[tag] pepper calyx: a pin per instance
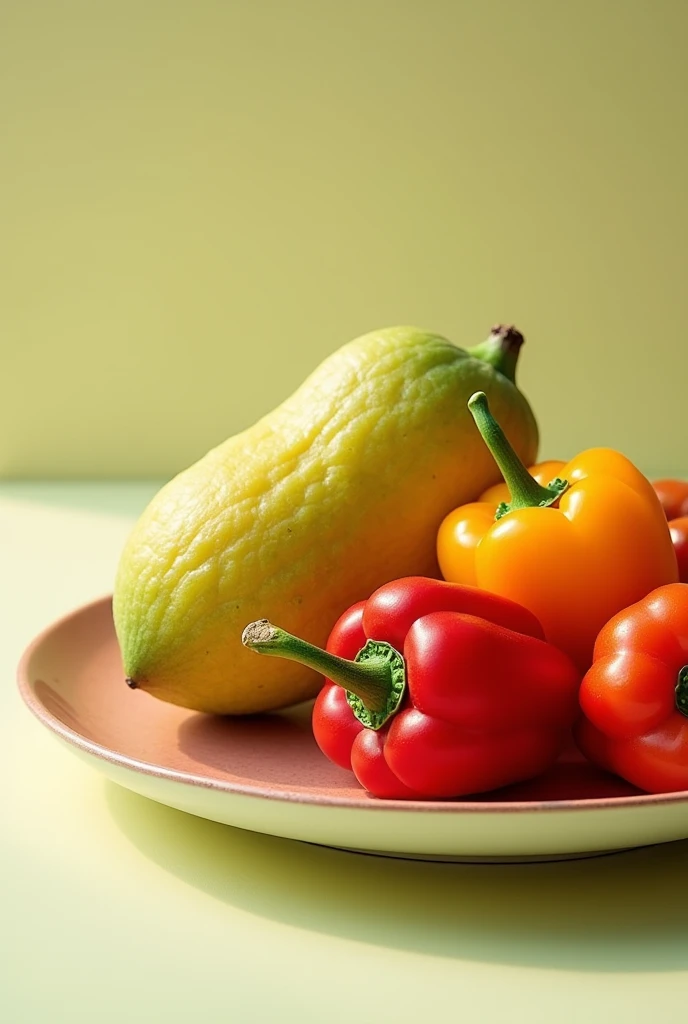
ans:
(681, 691)
(375, 650)
(555, 487)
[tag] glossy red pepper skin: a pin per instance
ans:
(678, 528)
(673, 497)
(334, 726)
(632, 720)
(488, 701)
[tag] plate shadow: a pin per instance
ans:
(620, 913)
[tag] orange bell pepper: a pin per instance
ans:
(574, 552)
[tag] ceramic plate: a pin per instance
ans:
(266, 774)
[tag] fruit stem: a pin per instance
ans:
(375, 681)
(525, 491)
(500, 350)
(681, 691)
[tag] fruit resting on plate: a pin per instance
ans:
(634, 698)
(574, 552)
(337, 491)
(435, 690)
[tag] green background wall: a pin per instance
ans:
(201, 200)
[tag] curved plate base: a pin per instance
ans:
(265, 773)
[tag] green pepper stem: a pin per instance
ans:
(375, 681)
(681, 691)
(524, 490)
(500, 350)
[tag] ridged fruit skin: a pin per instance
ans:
(338, 490)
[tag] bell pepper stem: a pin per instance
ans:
(525, 491)
(681, 691)
(375, 681)
(500, 350)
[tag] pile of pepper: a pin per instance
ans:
(560, 614)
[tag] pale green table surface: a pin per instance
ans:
(118, 909)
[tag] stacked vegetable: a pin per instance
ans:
(673, 494)
(477, 699)
(560, 613)
(562, 610)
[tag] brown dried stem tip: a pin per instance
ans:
(501, 350)
(511, 338)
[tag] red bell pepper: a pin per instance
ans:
(435, 690)
(678, 528)
(634, 697)
(673, 497)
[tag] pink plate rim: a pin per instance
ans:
(364, 804)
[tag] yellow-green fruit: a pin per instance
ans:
(338, 490)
